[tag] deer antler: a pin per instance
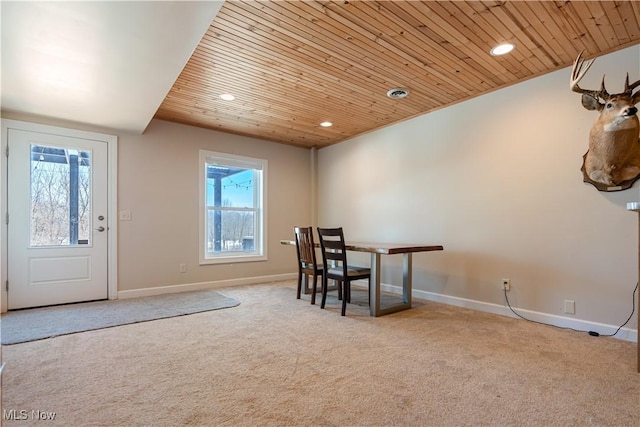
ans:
(580, 68)
(628, 89)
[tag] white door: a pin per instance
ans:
(57, 231)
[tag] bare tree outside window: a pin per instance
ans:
(232, 189)
(51, 202)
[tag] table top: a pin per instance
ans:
(381, 248)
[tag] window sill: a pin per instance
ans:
(233, 259)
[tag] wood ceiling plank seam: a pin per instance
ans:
(536, 23)
(245, 86)
(488, 27)
(304, 102)
(474, 23)
(378, 37)
(267, 19)
(631, 13)
(440, 79)
(227, 117)
(348, 67)
(296, 138)
(581, 35)
(383, 17)
(354, 64)
(283, 75)
(356, 81)
(477, 51)
(304, 93)
(313, 73)
(503, 22)
(386, 47)
(247, 27)
(208, 58)
(253, 133)
(467, 69)
(284, 110)
(564, 33)
(588, 21)
(278, 110)
(473, 30)
(405, 40)
(475, 58)
(240, 123)
(374, 62)
(268, 107)
(612, 10)
(603, 23)
(308, 98)
(397, 77)
(234, 121)
(510, 21)
(350, 100)
(427, 10)
(265, 108)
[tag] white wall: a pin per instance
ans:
(497, 181)
(158, 183)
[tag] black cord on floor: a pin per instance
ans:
(592, 333)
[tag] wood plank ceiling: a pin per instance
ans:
(294, 64)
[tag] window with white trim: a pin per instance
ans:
(233, 206)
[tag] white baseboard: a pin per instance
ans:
(146, 292)
(626, 334)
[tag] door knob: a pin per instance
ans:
(100, 229)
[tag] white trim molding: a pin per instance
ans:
(146, 292)
(626, 334)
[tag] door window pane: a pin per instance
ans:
(60, 196)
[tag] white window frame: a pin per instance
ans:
(259, 252)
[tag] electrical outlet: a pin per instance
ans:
(183, 268)
(506, 284)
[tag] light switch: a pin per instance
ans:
(125, 216)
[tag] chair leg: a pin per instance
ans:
(324, 291)
(299, 283)
(313, 291)
(345, 297)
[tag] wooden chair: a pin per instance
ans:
(307, 264)
(333, 251)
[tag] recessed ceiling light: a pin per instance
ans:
(326, 124)
(502, 49)
(227, 97)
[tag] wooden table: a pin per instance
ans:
(376, 250)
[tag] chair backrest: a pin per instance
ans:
(306, 247)
(333, 248)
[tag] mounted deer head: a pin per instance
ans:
(613, 158)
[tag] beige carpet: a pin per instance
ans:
(278, 361)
